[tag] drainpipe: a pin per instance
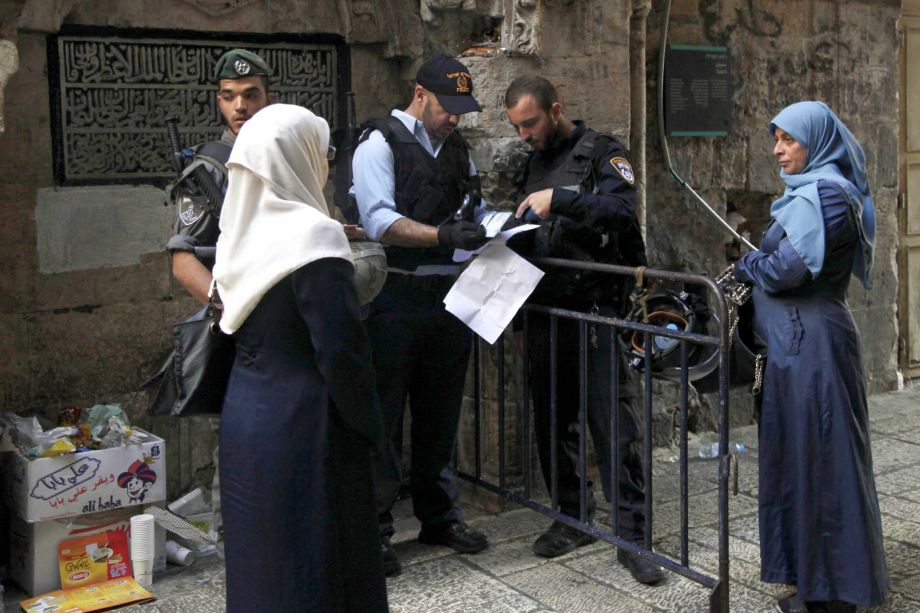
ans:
(637, 103)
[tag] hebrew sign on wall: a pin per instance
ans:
(111, 96)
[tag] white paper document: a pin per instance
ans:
(492, 289)
(493, 223)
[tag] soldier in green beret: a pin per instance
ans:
(242, 90)
(242, 81)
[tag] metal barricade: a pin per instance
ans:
(523, 495)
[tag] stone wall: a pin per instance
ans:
(89, 325)
(841, 52)
(86, 294)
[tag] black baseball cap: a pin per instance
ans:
(450, 81)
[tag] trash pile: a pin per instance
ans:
(76, 492)
(102, 426)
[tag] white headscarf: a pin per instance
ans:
(274, 217)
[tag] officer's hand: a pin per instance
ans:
(538, 202)
(461, 235)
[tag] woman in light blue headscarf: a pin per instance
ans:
(820, 526)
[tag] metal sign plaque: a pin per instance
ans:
(111, 96)
(698, 91)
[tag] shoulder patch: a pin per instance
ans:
(622, 166)
(190, 213)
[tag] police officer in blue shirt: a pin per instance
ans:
(412, 171)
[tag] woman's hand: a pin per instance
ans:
(354, 233)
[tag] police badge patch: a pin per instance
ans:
(191, 214)
(622, 166)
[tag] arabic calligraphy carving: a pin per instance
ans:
(115, 95)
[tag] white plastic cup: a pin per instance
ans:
(189, 503)
(143, 571)
(177, 554)
(142, 537)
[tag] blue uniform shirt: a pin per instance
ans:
(373, 182)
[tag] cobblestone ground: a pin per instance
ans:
(508, 577)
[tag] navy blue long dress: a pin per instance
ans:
(820, 527)
(300, 527)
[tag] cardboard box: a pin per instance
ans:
(34, 545)
(88, 482)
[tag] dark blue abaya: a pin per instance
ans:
(299, 414)
(820, 526)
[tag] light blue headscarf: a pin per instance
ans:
(833, 155)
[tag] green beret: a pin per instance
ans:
(239, 63)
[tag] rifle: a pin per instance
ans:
(343, 175)
(192, 180)
(172, 133)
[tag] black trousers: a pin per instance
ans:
(599, 398)
(421, 353)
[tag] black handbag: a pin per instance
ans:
(747, 352)
(194, 377)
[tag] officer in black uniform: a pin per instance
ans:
(579, 186)
(242, 78)
(412, 171)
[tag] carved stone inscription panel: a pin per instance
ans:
(113, 95)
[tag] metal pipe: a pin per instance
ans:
(662, 133)
(614, 432)
(526, 452)
(582, 421)
(500, 347)
(477, 404)
(638, 104)
(553, 435)
(684, 488)
(647, 439)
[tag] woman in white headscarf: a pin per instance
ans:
(300, 413)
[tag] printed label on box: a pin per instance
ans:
(90, 559)
(89, 482)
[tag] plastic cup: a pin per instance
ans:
(142, 537)
(189, 504)
(143, 571)
(177, 554)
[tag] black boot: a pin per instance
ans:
(457, 535)
(560, 539)
(391, 564)
(642, 570)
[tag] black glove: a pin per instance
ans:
(461, 235)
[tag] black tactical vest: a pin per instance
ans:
(564, 238)
(427, 189)
(570, 171)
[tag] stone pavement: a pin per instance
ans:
(508, 577)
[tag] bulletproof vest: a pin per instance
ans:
(427, 189)
(570, 171)
(564, 238)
